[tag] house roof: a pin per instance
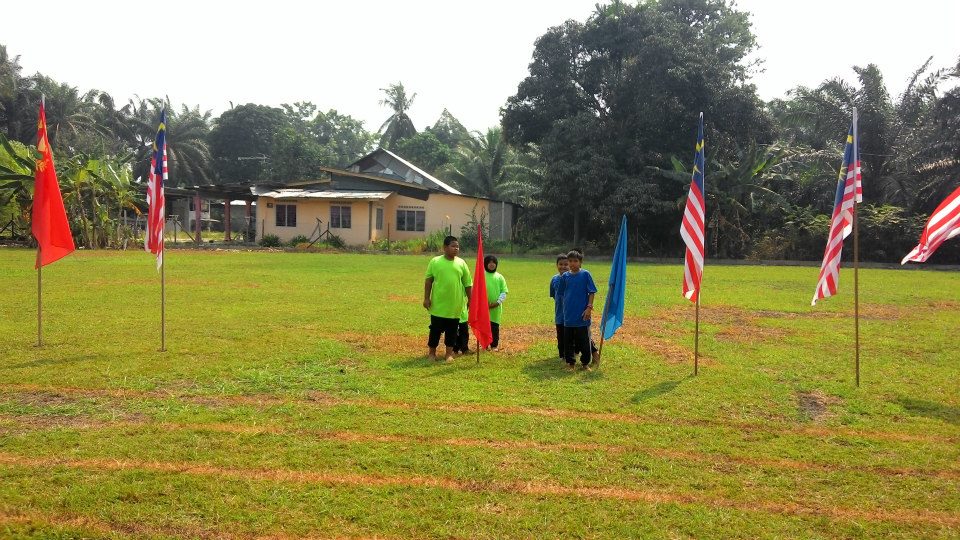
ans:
(408, 177)
(282, 194)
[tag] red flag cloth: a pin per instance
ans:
(479, 318)
(49, 219)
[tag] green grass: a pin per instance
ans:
(294, 400)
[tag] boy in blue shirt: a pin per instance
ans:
(577, 290)
(562, 267)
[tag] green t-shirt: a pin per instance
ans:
(496, 285)
(449, 280)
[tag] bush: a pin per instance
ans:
(335, 241)
(270, 240)
(299, 239)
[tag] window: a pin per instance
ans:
(411, 220)
(286, 215)
(340, 217)
(379, 219)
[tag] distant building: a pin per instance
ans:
(379, 194)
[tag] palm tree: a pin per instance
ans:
(188, 153)
(485, 165)
(398, 126)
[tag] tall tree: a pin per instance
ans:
(606, 101)
(241, 142)
(398, 126)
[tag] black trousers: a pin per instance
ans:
(447, 327)
(495, 329)
(560, 343)
(577, 340)
(463, 338)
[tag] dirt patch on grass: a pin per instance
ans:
(534, 488)
(814, 406)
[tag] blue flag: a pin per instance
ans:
(616, 291)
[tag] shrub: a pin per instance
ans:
(270, 240)
(299, 239)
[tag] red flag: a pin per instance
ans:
(479, 307)
(49, 219)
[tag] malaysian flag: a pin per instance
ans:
(155, 200)
(943, 225)
(849, 187)
(692, 229)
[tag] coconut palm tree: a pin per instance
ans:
(485, 165)
(399, 126)
(188, 153)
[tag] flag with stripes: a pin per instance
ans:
(155, 199)
(849, 192)
(943, 225)
(692, 229)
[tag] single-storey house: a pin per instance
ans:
(381, 195)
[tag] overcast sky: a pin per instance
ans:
(467, 57)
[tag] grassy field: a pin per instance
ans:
(294, 401)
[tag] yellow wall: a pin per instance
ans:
(308, 210)
(441, 211)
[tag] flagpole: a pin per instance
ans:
(856, 247)
(696, 339)
(603, 323)
(39, 301)
(163, 307)
(478, 350)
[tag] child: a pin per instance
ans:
(445, 291)
(578, 290)
(562, 266)
(496, 294)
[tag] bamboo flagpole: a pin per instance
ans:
(696, 340)
(156, 216)
(856, 248)
(39, 301)
(48, 217)
(694, 233)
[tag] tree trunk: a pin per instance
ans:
(576, 227)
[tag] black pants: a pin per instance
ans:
(560, 343)
(447, 327)
(463, 338)
(577, 340)
(495, 330)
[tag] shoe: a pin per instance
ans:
(587, 368)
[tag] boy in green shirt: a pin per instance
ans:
(445, 290)
(496, 294)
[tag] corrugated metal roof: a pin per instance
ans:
(322, 194)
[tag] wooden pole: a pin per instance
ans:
(163, 307)
(856, 248)
(603, 322)
(478, 350)
(39, 301)
(696, 340)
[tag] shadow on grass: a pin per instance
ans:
(434, 368)
(930, 409)
(656, 390)
(553, 368)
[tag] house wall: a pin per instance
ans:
(441, 212)
(308, 210)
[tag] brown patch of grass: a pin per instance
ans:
(815, 405)
(320, 399)
(810, 508)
